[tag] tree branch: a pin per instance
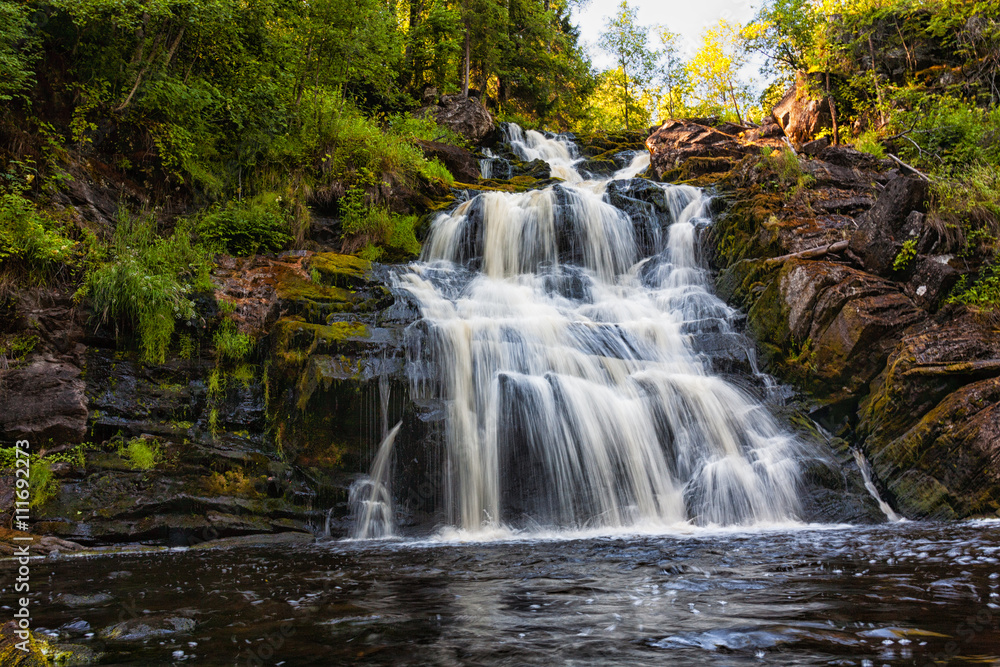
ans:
(910, 167)
(807, 254)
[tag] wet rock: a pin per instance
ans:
(460, 162)
(89, 600)
(931, 424)
(879, 233)
(11, 653)
(800, 116)
(465, 116)
(44, 402)
(285, 539)
(647, 207)
(148, 627)
(836, 323)
(676, 141)
(40, 545)
(931, 281)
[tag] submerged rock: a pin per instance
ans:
(148, 627)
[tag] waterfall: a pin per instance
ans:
(371, 497)
(562, 334)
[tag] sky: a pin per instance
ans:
(688, 18)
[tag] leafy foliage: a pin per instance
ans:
(144, 286)
(141, 454)
(247, 228)
(627, 43)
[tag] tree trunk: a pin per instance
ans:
(878, 88)
(465, 77)
(833, 111)
(628, 97)
(736, 106)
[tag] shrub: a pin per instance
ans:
(426, 128)
(231, 344)
(787, 169)
(29, 240)
(436, 171)
(143, 286)
(44, 485)
(13, 349)
(906, 255)
(366, 228)
(141, 454)
(247, 228)
(868, 142)
(232, 483)
(947, 134)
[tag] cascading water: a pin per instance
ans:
(371, 497)
(561, 335)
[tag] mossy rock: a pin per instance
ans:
(700, 171)
(338, 270)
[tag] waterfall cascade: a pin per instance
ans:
(562, 335)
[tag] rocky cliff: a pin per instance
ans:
(844, 281)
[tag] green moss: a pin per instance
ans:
(300, 290)
(339, 270)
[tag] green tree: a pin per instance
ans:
(17, 50)
(672, 78)
(627, 43)
(785, 33)
(715, 69)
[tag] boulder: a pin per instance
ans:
(816, 146)
(463, 115)
(677, 141)
(462, 164)
(932, 279)
(880, 230)
(800, 116)
(12, 653)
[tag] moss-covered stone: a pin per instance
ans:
(340, 270)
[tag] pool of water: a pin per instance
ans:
(898, 594)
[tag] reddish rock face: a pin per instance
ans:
(932, 422)
(679, 140)
(799, 115)
(849, 319)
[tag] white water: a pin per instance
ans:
(866, 475)
(574, 395)
(371, 497)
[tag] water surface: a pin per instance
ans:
(898, 594)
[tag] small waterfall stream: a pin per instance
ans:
(562, 336)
